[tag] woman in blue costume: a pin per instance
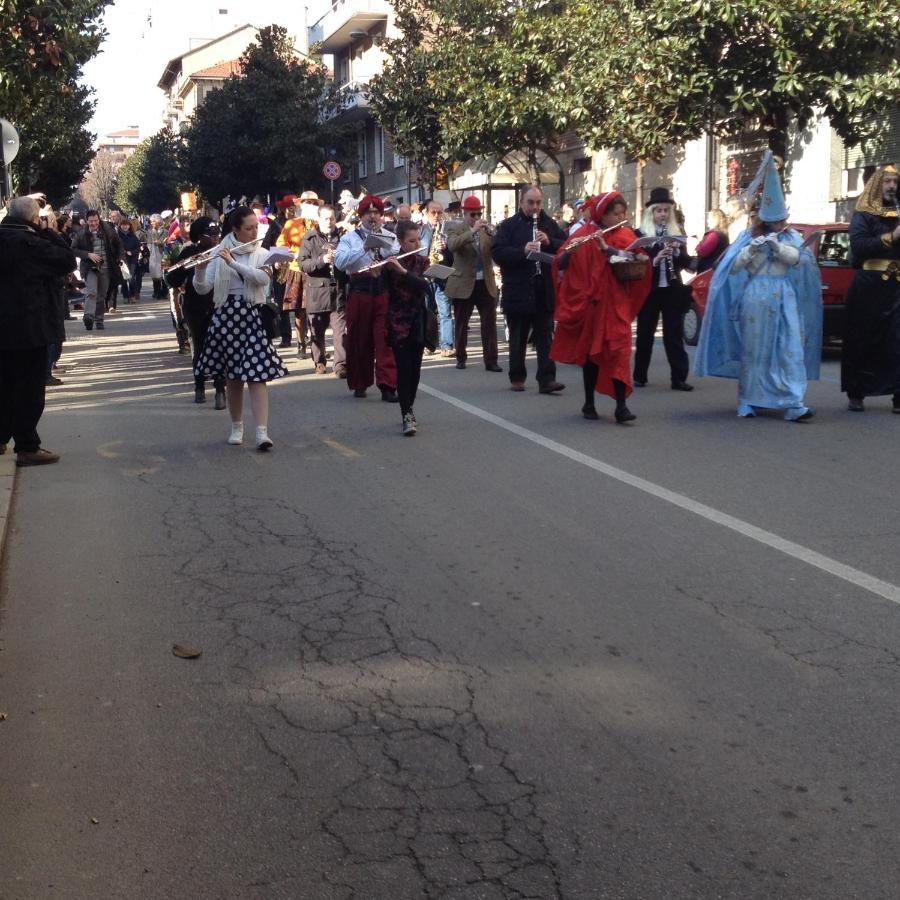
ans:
(763, 321)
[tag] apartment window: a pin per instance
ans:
(399, 160)
(379, 148)
(361, 154)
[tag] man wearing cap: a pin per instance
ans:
(366, 343)
(870, 353)
(528, 287)
(306, 213)
(667, 296)
(472, 284)
(198, 308)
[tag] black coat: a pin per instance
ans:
(194, 304)
(32, 262)
(321, 293)
(682, 261)
(519, 274)
(83, 244)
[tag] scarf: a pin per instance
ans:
(223, 270)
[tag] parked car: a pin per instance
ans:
(831, 249)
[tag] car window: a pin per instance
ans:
(834, 249)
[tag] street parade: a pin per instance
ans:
(621, 622)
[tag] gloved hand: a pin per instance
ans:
(759, 241)
(772, 238)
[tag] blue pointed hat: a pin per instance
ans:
(772, 207)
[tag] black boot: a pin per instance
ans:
(623, 413)
(200, 394)
(589, 373)
(220, 402)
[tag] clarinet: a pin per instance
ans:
(534, 237)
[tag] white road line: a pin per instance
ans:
(818, 560)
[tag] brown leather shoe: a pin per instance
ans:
(551, 387)
(320, 368)
(517, 386)
(39, 457)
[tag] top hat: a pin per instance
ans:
(454, 205)
(659, 195)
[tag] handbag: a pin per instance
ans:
(269, 315)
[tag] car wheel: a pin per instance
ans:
(691, 325)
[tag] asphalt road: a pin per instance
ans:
(521, 655)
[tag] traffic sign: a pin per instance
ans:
(331, 170)
(10, 138)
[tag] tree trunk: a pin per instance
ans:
(777, 127)
(639, 187)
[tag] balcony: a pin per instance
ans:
(334, 29)
(354, 102)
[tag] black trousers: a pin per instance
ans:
(318, 325)
(670, 302)
(198, 324)
(23, 376)
(520, 326)
(409, 368)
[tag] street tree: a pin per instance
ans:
(43, 46)
(56, 147)
(99, 186)
(475, 78)
(267, 129)
(663, 72)
(152, 177)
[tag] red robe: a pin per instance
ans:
(594, 310)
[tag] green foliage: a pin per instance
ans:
(470, 77)
(43, 46)
(266, 130)
(55, 146)
(152, 178)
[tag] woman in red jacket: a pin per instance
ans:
(595, 309)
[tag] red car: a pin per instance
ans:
(831, 249)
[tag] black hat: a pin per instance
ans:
(659, 195)
(454, 205)
(199, 227)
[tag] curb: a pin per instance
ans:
(7, 485)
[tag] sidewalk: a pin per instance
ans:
(7, 483)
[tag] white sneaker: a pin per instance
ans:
(409, 424)
(237, 433)
(263, 441)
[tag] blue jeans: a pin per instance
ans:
(445, 317)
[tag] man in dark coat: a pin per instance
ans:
(99, 248)
(325, 291)
(32, 261)
(527, 299)
(870, 354)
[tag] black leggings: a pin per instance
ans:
(590, 371)
(409, 367)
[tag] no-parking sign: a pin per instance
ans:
(331, 170)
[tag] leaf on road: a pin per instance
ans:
(185, 651)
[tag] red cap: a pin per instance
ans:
(472, 203)
(368, 201)
(286, 201)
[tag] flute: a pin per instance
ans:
(577, 242)
(382, 262)
(209, 255)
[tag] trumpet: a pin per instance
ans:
(209, 255)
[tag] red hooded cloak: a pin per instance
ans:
(594, 310)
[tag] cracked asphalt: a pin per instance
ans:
(454, 667)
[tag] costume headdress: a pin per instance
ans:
(772, 207)
(871, 200)
(369, 201)
(597, 206)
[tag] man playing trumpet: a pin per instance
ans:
(472, 284)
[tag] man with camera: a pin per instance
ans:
(100, 250)
(32, 262)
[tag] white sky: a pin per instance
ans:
(145, 34)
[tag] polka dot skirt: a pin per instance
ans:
(237, 346)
